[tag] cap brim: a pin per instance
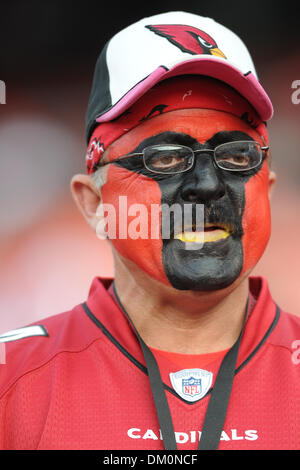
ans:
(245, 83)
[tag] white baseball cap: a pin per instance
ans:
(167, 45)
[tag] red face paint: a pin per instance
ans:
(145, 253)
(256, 218)
(200, 125)
(247, 197)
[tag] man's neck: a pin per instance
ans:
(186, 322)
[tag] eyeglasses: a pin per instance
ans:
(169, 159)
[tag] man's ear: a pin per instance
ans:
(87, 198)
(272, 181)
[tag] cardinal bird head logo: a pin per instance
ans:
(188, 39)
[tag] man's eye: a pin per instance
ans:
(234, 161)
(240, 160)
(167, 161)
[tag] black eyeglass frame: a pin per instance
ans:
(142, 154)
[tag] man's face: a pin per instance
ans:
(237, 201)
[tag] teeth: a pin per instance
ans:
(215, 235)
(202, 237)
(197, 237)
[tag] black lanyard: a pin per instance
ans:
(218, 403)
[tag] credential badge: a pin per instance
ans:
(191, 384)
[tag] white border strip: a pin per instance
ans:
(19, 333)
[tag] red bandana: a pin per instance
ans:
(173, 94)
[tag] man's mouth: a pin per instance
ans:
(211, 233)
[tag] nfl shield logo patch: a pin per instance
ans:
(191, 384)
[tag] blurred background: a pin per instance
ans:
(48, 255)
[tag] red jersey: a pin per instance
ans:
(83, 383)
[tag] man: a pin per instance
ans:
(182, 350)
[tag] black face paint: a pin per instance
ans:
(217, 264)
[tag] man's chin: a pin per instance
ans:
(214, 266)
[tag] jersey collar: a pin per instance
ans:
(112, 320)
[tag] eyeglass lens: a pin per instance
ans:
(235, 156)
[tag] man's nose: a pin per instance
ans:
(204, 182)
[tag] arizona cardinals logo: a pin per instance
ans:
(187, 38)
